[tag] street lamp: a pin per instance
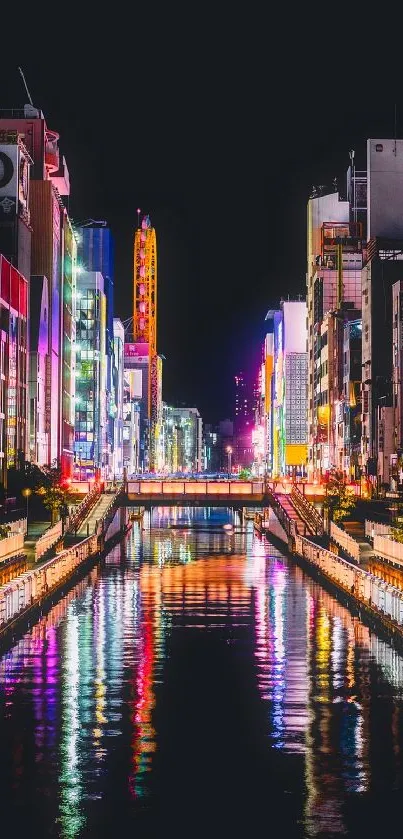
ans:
(229, 453)
(26, 493)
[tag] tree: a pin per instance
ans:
(5, 531)
(53, 491)
(338, 501)
(396, 530)
(245, 474)
(29, 475)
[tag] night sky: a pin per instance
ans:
(218, 132)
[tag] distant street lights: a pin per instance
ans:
(229, 453)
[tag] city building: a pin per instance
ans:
(136, 376)
(382, 271)
(116, 408)
(334, 262)
(15, 227)
(183, 440)
(13, 368)
(269, 360)
(96, 253)
(44, 229)
(38, 366)
(211, 452)
(259, 447)
(226, 442)
(349, 426)
(286, 452)
(90, 448)
(131, 424)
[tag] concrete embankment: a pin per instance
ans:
(376, 602)
(29, 595)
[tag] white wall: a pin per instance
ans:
(295, 326)
(385, 188)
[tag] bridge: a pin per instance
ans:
(218, 493)
(294, 512)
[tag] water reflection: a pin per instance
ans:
(83, 693)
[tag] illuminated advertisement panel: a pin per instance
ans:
(9, 179)
(137, 351)
(323, 424)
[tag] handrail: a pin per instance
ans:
(286, 522)
(307, 511)
(77, 518)
(104, 523)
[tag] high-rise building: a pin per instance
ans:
(243, 414)
(269, 360)
(382, 269)
(183, 439)
(96, 253)
(15, 228)
(15, 245)
(118, 389)
(131, 422)
(53, 255)
(13, 368)
(211, 456)
(349, 425)
(90, 449)
(136, 368)
(288, 400)
(334, 262)
(38, 361)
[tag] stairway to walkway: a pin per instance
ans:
(288, 507)
(97, 512)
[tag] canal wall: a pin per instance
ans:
(380, 603)
(24, 598)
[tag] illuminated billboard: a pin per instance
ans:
(138, 352)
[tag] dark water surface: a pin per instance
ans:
(198, 683)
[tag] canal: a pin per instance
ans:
(198, 683)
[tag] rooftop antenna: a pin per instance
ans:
(26, 87)
(138, 216)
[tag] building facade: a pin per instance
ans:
(334, 263)
(286, 358)
(183, 440)
(38, 366)
(44, 229)
(90, 448)
(96, 253)
(13, 368)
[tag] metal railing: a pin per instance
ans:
(288, 524)
(109, 512)
(80, 513)
(345, 541)
(307, 511)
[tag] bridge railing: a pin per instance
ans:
(169, 488)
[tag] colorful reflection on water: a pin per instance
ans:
(195, 653)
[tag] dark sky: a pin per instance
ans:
(217, 127)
